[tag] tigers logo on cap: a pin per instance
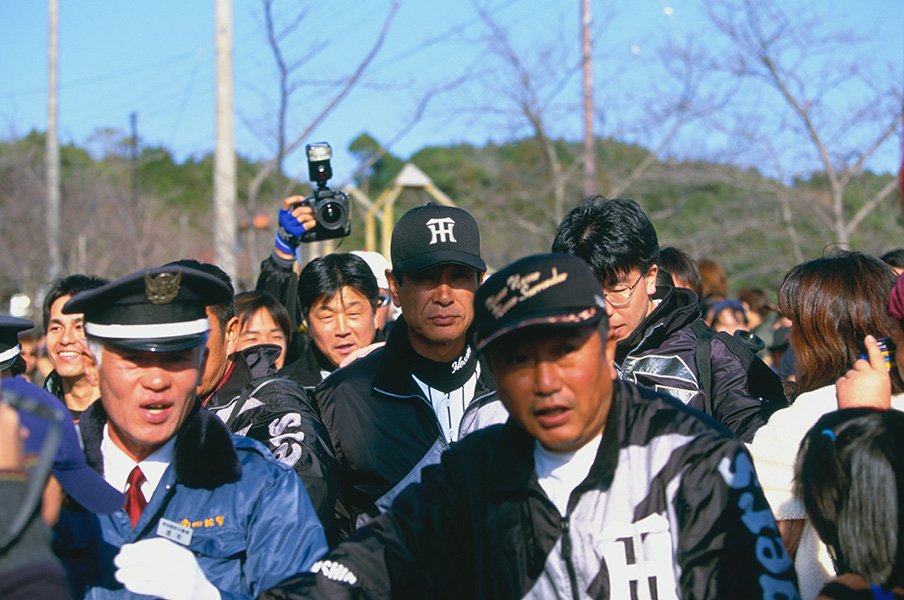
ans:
(431, 235)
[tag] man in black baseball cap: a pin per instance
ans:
(206, 513)
(397, 409)
(594, 487)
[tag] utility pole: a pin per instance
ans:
(133, 147)
(52, 150)
(587, 74)
(224, 158)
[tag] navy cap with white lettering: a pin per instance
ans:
(9, 339)
(544, 289)
(156, 310)
(432, 235)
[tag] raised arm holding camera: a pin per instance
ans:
(322, 216)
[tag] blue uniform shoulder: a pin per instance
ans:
(251, 451)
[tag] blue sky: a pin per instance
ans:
(156, 58)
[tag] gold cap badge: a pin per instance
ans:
(162, 288)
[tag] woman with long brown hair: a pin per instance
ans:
(833, 303)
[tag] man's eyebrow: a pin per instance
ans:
(79, 319)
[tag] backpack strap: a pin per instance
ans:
(703, 358)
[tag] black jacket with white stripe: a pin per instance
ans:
(671, 508)
(384, 429)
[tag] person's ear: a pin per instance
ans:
(393, 287)
(650, 282)
(231, 332)
(92, 375)
(611, 344)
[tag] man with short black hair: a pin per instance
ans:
(242, 388)
(658, 329)
(394, 411)
(338, 297)
(594, 488)
(66, 348)
(208, 514)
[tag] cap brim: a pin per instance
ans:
(588, 316)
(174, 344)
(440, 257)
(88, 488)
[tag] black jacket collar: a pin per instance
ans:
(678, 308)
(394, 376)
(306, 370)
(249, 364)
(204, 454)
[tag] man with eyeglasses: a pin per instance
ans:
(657, 329)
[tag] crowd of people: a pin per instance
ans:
(601, 421)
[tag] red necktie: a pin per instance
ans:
(135, 501)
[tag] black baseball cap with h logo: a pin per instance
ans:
(432, 235)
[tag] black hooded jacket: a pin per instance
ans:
(385, 430)
(661, 354)
(276, 412)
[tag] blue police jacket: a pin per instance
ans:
(245, 516)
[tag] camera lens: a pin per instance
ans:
(331, 215)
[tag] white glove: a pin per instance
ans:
(159, 567)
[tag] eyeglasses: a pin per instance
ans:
(619, 298)
(382, 300)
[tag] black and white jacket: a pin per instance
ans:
(277, 412)
(384, 429)
(661, 354)
(671, 508)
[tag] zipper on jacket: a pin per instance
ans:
(566, 554)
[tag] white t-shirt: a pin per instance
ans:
(560, 472)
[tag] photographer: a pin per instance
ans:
(279, 276)
(325, 215)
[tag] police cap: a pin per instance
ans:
(9, 339)
(155, 310)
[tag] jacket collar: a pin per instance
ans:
(512, 465)
(393, 376)
(307, 367)
(204, 454)
(247, 365)
(678, 307)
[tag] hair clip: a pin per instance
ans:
(829, 434)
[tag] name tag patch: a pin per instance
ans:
(174, 532)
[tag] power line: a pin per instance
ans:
(104, 77)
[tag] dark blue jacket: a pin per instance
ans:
(252, 522)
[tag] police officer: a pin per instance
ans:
(207, 514)
(11, 361)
